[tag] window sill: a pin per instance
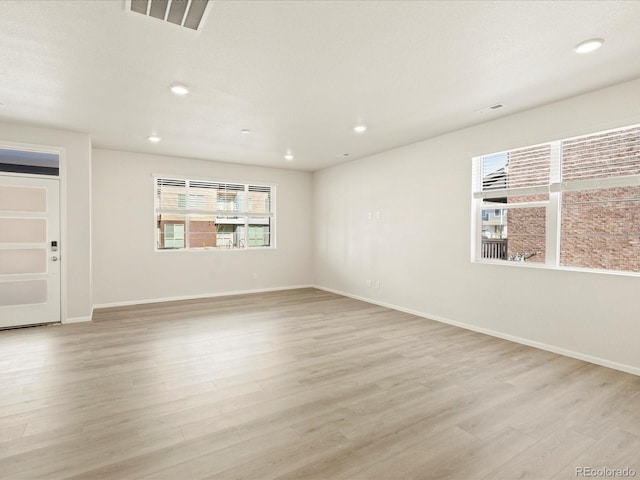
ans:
(200, 250)
(506, 263)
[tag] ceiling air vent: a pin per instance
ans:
(495, 106)
(186, 13)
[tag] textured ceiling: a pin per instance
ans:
(300, 74)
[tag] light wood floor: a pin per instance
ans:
(300, 385)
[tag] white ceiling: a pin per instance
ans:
(301, 74)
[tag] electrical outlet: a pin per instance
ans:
(369, 216)
(254, 276)
(368, 283)
(378, 215)
(376, 284)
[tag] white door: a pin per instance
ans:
(29, 250)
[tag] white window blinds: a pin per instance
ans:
(224, 198)
(602, 160)
(524, 171)
(170, 194)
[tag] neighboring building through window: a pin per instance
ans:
(569, 203)
(198, 215)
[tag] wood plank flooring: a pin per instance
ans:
(301, 384)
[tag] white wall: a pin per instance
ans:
(126, 269)
(76, 239)
(420, 250)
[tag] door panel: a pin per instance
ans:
(22, 199)
(23, 230)
(23, 292)
(32, 260)
(29, 250)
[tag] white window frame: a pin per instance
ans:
(553, 206)
(187, 212)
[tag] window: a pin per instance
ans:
(512, 200)
(197, 215)
(32, 162)
(173, 235)
(570, 203)
(258, 234)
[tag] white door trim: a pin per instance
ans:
(62, 176)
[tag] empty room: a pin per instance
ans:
(308, 239)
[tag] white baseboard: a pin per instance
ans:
(194, 297)
(505, 336)
(78, 319)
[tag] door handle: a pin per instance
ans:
(54, 259)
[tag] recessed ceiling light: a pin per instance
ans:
(245, 131)
(180, 89)
(589, 46)
(288, 157)
(154, 139)
(360, 128)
